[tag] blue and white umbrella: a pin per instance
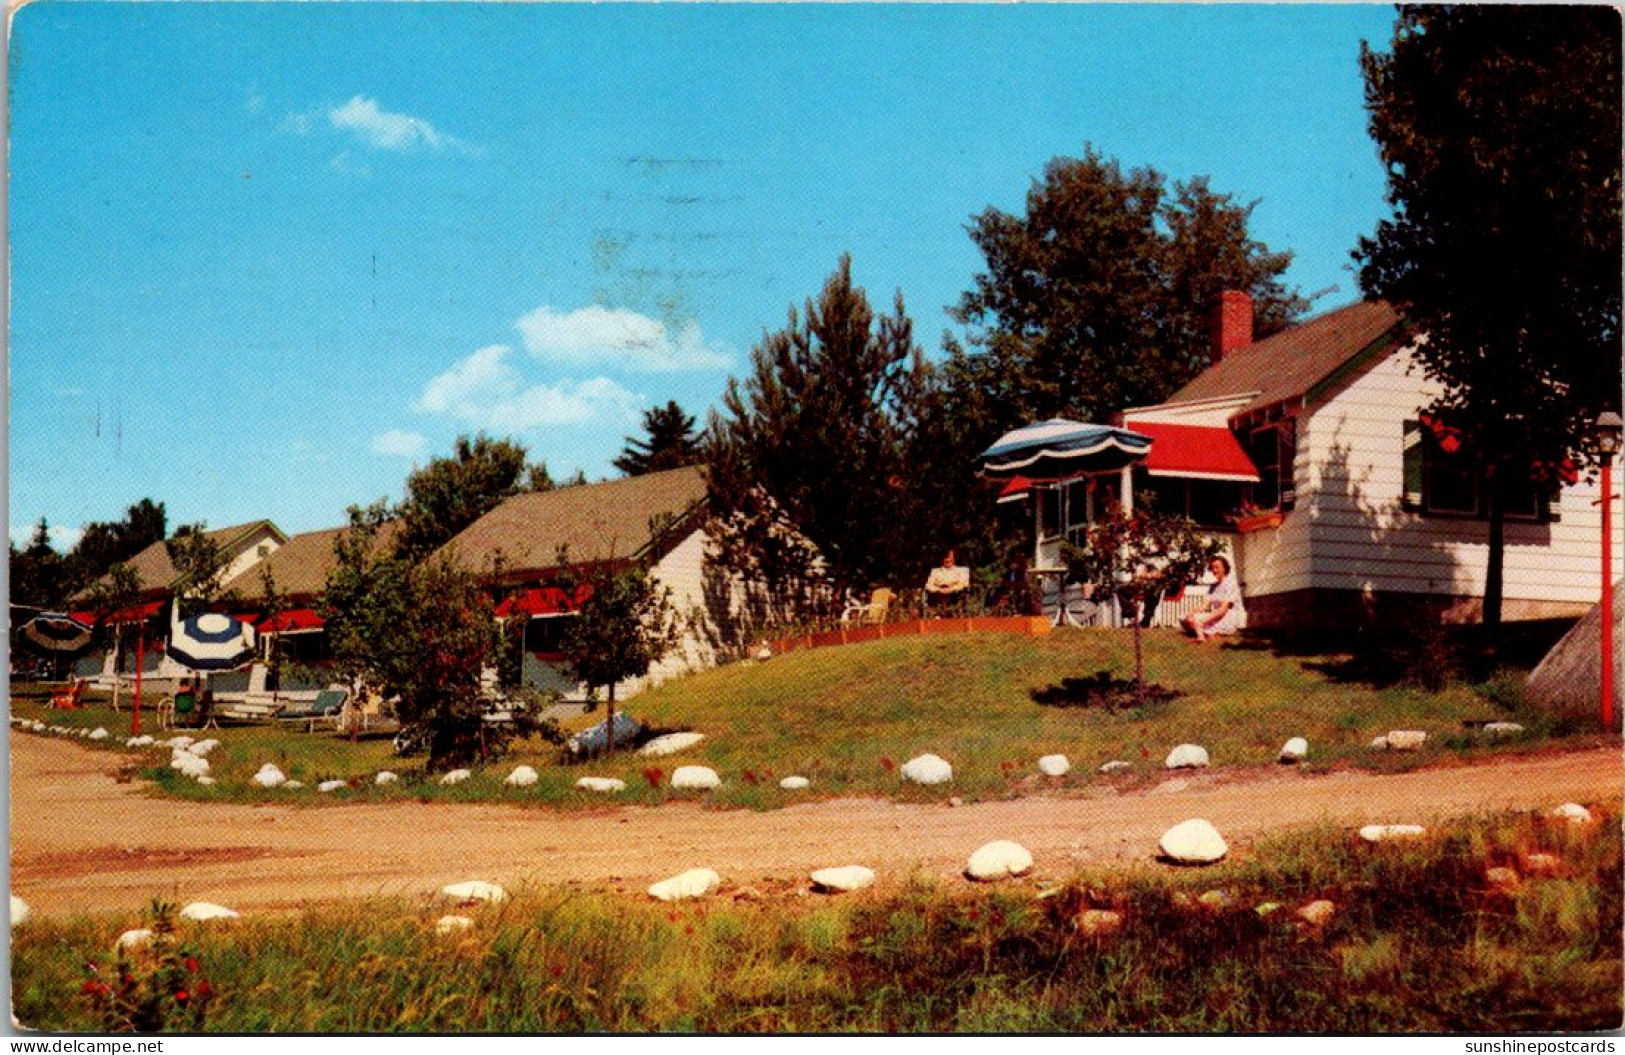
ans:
(1059, 449)
(211, 641)
(56, 632)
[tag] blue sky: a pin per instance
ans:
(265, 258)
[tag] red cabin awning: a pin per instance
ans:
(1199, 452)
(542, 600)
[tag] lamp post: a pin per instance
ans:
(1609, 427)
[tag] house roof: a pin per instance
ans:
(1292, 363)
(301, 566)
(155, 571)
(614, 520)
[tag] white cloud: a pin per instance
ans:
(383, 130)
(486, 390)
(400, 442)
(624, 338)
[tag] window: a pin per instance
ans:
(1273, 448)
(1443, 479)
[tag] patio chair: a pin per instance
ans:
(871, 613)
(72, 699)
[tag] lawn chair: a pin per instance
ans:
(871, 613)
(325, 707)
(71, 700)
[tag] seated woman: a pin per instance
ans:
(1223, 613)
(946, 584)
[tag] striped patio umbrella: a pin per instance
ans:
(211, 641)
(56, 632)
(1059, 449)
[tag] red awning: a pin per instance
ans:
(292, 621)
(1197, 452)
(542, 600)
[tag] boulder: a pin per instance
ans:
(794, 783)
(595, 741)
(521, 777)
(1294, 750)
(269, 776)
(98, 733)
(695, 778)
(19, 911)
(1193, 842)
(1376, 833)
(1317, 913)
(1186, 756)
(1116, 765)
(999, 860)
(1501, 730)
(696, 882)
(452, 924)
(846, 878)
(203, 911)
(456, 776)
(1572, 812)
(475, 890)
(331, 785)
(1054, 765)
(927, 769)
(670, 744)
(1098, 922)
(1406, 739)
(385, 777)
(131, 940)
(601, 784)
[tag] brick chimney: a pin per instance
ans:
(1232, 323)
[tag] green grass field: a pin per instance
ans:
(847, 717)
(1421, 939)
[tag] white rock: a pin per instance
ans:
(331, 785)
(1115, 766)
(19, 911)
(1376, 833)
(1294, 750)
(1572, 812)
(452, 924)
(670, 744)
(521, 777)
(1503, 729)
(475, 890)
(794, 783)
(269, 776)
(1406, 739)
(293, 785)
(98, 733)
(385, 777)
(1186, 756)
(601, 784)
(456, 776)
(203, 747)
(1193, 842)
(1380, 743)
(203, 910)
(701, 778)
(133, 939)
(179, 741)
(847, 878)
(696, 882)
(1054, 765)
(927, 769)
(999, 860)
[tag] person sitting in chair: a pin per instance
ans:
(1223, 612)
(946, 584)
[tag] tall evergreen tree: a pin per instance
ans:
(1499, 127)
(669, 442)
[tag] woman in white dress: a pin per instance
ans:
(1223, 613)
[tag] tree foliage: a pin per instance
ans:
(1099, 296)
(1499, 128)
(822, 424)
(669, 442)
(449, 494)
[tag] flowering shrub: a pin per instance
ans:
(162, 988)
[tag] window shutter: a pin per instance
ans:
(1411, 495)
(1287, 437)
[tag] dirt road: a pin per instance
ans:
(81, 842)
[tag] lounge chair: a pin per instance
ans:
(72, 699)
(325, 707)
(871, 613)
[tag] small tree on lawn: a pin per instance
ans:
(622, 628)
(1137, 556)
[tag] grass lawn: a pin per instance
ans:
(848, 717)
(1420, 937)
